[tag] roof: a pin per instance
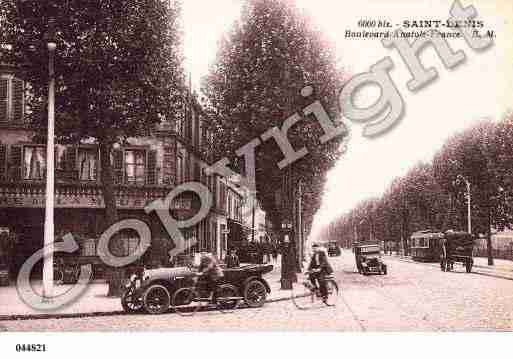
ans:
(427, 234)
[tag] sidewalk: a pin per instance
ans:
(94, 302)
(501, 266)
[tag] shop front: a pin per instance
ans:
(79, 211)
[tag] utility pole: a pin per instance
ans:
(300, 222)
(253, 219)
(49, 231)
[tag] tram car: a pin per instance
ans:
(426, 246)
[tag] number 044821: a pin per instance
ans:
(30, 347)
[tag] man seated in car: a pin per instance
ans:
(232, 260)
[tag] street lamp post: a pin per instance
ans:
(50, 184)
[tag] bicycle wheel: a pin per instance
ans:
(303, 295)
(227, 298)
(332, 288)
(185, 302)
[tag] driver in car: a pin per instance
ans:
(211, 272)
(318, 268)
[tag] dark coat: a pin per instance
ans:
(321, 262)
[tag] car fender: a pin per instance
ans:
(260, 279)
(146, 284)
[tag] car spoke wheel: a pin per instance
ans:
(156, 299)
(184, 302)
(227, 298)
(131, 304)
(255, 294)
(303, 295)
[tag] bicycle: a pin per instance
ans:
(187, 301)
(305, 295)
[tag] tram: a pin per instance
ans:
(426, 246)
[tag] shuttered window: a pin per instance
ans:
(135, 166)
(4, 100)
(3, 161)
(87, 164)
(34, 163)
(12, 94)
(118, 166)
(169, 165)
(179, 169)
(17, 101)
(15, 162)
(152, 168)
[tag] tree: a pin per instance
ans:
(118, 70)
(254, 85)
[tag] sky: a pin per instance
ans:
(480, 88)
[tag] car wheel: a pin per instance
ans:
(255, 294)
(156, 299)
(131, 304)
(384, 270)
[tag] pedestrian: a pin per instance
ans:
(275, 253)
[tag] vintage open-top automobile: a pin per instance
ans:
(368, 259)
(334, 249)
(152, 290)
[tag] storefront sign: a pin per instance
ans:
(85, 201)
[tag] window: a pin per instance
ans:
(12, 103)
(169, 165)
(34, 162)
(135, 166)
(87, 164)
(130, 245)
(179, 169)
(179, 126)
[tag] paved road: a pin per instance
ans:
(412, 297)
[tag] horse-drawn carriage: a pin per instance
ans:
(456, 247)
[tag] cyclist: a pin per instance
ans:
(318, 268)
(209, 270)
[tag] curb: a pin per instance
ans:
(15, 317)
(58, 316)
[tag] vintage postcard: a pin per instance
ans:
(255, 166)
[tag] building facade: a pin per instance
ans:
(145, 169)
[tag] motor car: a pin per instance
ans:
(334, 249)
(369, 259)
(158, 286)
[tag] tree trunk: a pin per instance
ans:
(114, 276)
(489, 238)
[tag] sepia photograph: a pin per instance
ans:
(328, 170)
